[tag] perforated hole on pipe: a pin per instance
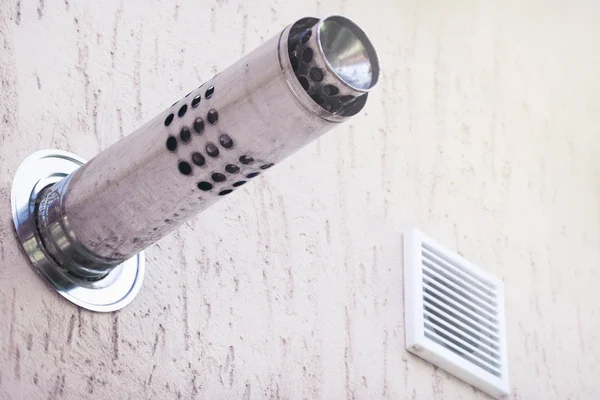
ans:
(212, 117)
(171, 143)
(185, 134)
(205, 186)
(185, 168)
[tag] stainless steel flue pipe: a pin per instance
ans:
(312, 76)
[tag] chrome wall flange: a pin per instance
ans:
(113, 291)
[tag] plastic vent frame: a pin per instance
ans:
(454, 314)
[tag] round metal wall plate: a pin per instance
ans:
(114, 291)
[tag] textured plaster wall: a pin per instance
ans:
(484, 133)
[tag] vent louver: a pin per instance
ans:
(454, 314)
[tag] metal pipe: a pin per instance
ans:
(312, 76)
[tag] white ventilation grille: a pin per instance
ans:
(454, 314)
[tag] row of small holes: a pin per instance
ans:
(185, 133)
(208, 94)
(217, 177)
(212, 150)
(198, 159)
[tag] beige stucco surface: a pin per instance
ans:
(484, 133)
